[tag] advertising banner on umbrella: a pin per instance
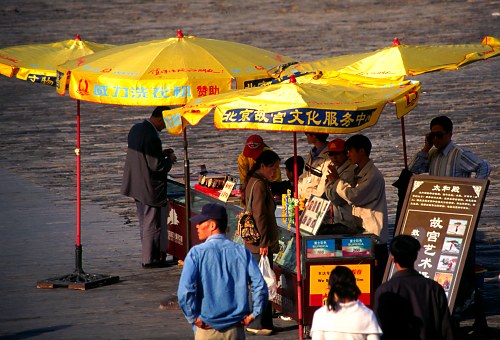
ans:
(166, 72)
(37, 62)
(333, 106)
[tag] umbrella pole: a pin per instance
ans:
(78, 244)
(78, 279)
(403, 134)
(188, 191)
(297, 238)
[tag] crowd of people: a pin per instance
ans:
(340, 171)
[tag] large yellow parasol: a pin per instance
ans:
(166, 72)
(333, 105)
(37, 62)
(399, 60)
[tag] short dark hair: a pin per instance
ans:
(444, 122)
(300, 165)
(343, 283)
(359, 142)
(222, 224)
(158, 112)
(322, 137)
(405, 249)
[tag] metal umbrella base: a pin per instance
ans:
(78, 279)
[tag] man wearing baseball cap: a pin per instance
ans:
(222, 265)
(342, 210)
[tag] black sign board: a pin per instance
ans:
(442, 213)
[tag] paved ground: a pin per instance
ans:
(37, 138)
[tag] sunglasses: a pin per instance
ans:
(437, 135)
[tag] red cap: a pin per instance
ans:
(336, 145)
(253, 146)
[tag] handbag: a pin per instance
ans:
(269, 277)
(246, 224)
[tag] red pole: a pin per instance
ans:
(297, 238)
(403, 134)
(78, 187)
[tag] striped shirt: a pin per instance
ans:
(452, 161)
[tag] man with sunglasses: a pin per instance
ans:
(447, 158)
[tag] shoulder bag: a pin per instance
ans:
(246, 224)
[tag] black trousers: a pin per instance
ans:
(150, 229)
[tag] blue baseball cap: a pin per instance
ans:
(210, 211)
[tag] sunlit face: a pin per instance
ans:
(310, 138)
(440, 138)
(204, 229)
(268, 172)
(337, 158)
(354, 155)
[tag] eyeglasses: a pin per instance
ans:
(437, 135)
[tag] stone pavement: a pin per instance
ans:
(38, 243)
(37, 138)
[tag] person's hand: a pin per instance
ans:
(264, 251)
(428, 143)
(170, 154)
(200, 324)
(247, 320)
(333, 175)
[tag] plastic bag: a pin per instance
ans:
(269, 277)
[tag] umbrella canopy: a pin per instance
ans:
(166, 72)
(399, 60)
(37, 62)
(336, 105)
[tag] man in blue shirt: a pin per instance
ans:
(213, 288)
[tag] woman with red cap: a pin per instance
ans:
(252, 150)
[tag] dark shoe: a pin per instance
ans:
(154, 265)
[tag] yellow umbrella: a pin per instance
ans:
(336, 105)
(166, 72)
(398, 61)
(332, 105)
(37, 62)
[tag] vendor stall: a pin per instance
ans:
(319, 253)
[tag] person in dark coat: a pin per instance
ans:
(262, 207)
(145, 180)
(409, 305)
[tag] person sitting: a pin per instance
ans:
(344, 316)
(367, 197)
(343, 220)
(310, 182)
(254, 146)
(281, 188)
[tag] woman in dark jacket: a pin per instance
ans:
(263, 210)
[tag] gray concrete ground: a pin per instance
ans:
(37, 138)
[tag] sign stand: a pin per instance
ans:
(442, 213)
